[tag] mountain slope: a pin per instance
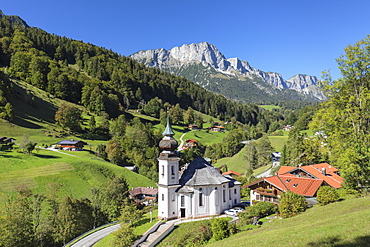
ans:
(204, 64)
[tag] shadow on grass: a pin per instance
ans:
(9, 156)
(142, 222)
(44, 156)
(336, 241)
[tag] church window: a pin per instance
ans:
(224, 195)
(235, 191)
(200, 197)
(172, 172)
(162, 197)
(182, 201)
(229, 194)
(162, 171)
(173, 196)
(216, 196)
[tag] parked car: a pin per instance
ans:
(233, 211)
(239, 209)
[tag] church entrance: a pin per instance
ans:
(182, 212)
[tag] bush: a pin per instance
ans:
(260, 209)
(326, 195)
(220, 228)
(291, 204)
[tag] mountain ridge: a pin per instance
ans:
(208, 57)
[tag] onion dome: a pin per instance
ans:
(168, 143)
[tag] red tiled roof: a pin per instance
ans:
(143, 190)
(231, 172)
(285, 169)
(316, 170)
(333, 179)
(302, 186)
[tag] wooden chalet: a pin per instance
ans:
(189, 144)
(148, 194)
(217, 129)
(71, 145)
(303, 180)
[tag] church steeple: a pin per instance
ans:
(168, 143)
(168, 131)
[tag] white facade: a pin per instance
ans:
(180, 200)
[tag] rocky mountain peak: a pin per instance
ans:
(180, 58)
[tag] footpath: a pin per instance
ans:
(152, 238)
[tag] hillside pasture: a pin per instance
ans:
(344, 223)
(76, 174)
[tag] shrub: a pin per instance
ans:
(220, 228)
(261, 209)
(291, 204)
(326, 195)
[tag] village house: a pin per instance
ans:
(144, 194)
(231, 173)
(189, 144)
(198, 190)
(303, 180)
(71, 145)
(193, 127)
(288, 127)
(217, 129)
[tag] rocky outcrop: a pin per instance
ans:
(209, 56)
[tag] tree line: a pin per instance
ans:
(46, 219)
(102, 80)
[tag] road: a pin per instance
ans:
(267, 173)
(91, 239)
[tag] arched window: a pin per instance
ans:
(200, 197)
(216, 196)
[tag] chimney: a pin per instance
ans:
(323, 170)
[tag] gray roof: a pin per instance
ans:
(200, 172)
(66, 142)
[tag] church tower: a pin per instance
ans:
(168, 182)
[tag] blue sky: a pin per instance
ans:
(288, 37)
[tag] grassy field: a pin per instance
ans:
(343, 223)
(270, 107)
(277, 142)
(77, 174)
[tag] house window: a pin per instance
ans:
(200, 197)
(182, 201)
(162, 197)
(288, 180)
(216, 196)
(295, 185)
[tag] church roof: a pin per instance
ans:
(200, 172)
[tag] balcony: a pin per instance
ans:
(268, 192)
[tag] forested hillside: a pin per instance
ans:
(100, 79)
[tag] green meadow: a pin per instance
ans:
(344, 223)
(77, 174)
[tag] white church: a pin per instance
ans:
(198, 190)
